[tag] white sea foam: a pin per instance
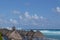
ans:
(50, 32)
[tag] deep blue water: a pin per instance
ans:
(53, 36)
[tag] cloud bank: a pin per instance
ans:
(33, 20)
(26, 19)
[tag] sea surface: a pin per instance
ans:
(52, 34)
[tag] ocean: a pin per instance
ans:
(53, 34)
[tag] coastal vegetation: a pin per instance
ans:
(1, 36)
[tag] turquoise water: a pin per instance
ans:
(53, 34)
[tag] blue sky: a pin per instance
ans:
(30, 14)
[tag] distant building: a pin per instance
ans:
(14, 35)
(38, 34)
(31, 35)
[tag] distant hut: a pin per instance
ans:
(14, 35)
(30, 35)
(38, 35)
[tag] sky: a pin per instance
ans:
(30, 14)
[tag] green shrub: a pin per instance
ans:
(1, 36)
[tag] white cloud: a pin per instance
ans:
(19, 28)
(35, 16)
(16, 12)
(27, 4)
(34, 20)
(0, 20)
(41, 17)
(13, 21)
(3, 21)
(20, 17)
(9, 28)
(35, 24)
(27, 15)
(58, 9)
